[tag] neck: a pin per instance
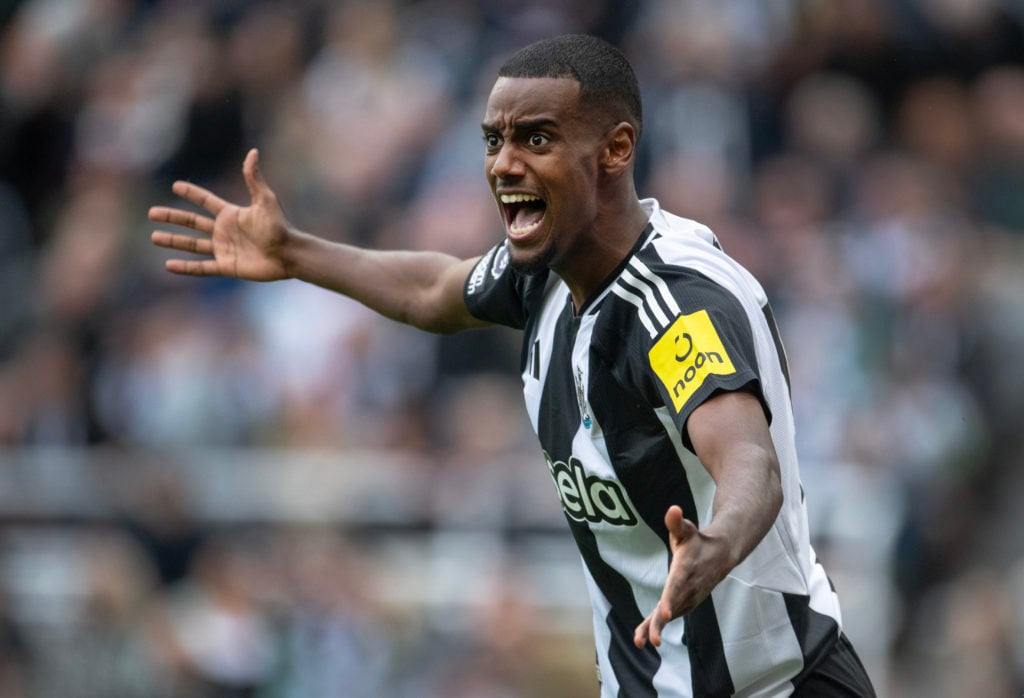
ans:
(613, 234)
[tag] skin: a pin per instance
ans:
(730, 435)
(541, 140)
(257, 243)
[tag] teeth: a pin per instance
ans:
(518, 198)
(524, 230)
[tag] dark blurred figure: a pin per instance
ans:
(159, 514)
(18, 659)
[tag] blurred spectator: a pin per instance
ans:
(376, 99)
(213, 630)
(934, 122)
(18, 660)
(999, 112)
(158, 512)
(108, 649)
(334, 634)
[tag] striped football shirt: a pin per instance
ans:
(608, 390)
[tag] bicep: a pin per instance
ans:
(447, 310)
(730, 429)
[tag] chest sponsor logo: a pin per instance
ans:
(589, 497)
(688, 352)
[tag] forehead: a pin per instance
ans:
(524, 99)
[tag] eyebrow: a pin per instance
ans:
(521, 126)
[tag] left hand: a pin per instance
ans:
(699, 562)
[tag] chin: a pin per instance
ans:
(527, 263)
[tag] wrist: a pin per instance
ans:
(728, 548)
(293, 246)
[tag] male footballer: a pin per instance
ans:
(653, 374)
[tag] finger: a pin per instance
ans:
(659, 618)
(201, 197)
(182, 243)
(176, 216)
(190, 267)
(641, 632)
(253, 175)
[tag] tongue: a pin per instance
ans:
(527, 216)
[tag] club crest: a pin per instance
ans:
(581, 398)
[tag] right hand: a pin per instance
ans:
(698, 564)
(246, 242)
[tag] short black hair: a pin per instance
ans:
(606, 78)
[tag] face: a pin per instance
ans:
(542, 165)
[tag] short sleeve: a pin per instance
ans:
(689, 338)
(495, 291)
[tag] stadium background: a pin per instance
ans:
(212, 488)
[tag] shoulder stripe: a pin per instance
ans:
(654, 296)
(659, 284)
(648, 292)
(639, 303)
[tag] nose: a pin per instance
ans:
(505, 164)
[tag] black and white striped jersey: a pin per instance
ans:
(609, 390)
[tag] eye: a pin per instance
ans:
(492, 140)
(538, 139)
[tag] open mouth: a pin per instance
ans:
(523, 212)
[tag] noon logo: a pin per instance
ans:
(588, 497)
(688, 352)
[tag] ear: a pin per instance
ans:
(619, 148)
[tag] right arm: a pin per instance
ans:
(256, 242)
(423, 289)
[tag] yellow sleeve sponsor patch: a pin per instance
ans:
(688, 352)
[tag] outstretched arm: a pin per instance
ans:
(730, 434)
(256, 242)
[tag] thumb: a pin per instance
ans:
(258, 188)
(680, 529)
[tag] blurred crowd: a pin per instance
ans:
(864, 158)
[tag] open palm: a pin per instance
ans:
(240, 241)
(697, 566)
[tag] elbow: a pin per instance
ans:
(441, 327)
(430, 319)
(432, 311)
(418, 312)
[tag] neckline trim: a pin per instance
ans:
(641, 241)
